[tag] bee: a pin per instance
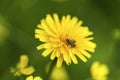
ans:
(71, 42)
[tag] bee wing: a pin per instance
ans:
(27, 71)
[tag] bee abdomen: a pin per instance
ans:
(71, 42)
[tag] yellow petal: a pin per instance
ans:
(59, 61)
(40, 47)
(40, 33)
(29, 78)
(90, 46)
(81, 57)
(85, 31)
(90, 38)
(72, 23)
(66, 55)
(23, 61)
(47, 29)
(104, 69)
(44, 46)
(86, 54)
(67, 20)
(48, 45)
(51, 24)
(79, 23)
(47, 52)
(37, 78)
(57, 22)
(28, 70)
(62, 25)
(58, 52)
(73, 57)
(53, 55)
(42, 38)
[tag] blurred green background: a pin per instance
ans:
(18, 20)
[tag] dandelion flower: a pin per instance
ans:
(22, 67)
(99, 71)
(31, 78)
(64, 39)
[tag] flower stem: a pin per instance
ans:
(53, 64)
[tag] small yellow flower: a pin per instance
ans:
(59, 73)
(99, 71)
(31, 78)
(22, 67)
(64, 39)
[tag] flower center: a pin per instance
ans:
(67, 40)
